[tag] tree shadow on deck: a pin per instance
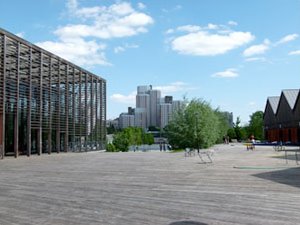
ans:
(290, 176)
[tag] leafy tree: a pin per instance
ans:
(110, 147)
(256, 125)
(223, 125)
(111, 129)
(237, 129)
(153, 128)
(231, 133)
(196, 125)
(131, 136)
(121, 141)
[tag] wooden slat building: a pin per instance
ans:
(47, 104)
(282, 117)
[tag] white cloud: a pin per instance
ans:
(209, 41)
(21, 34)
(80, 43)
(257, 49)
(170, 31)
(141, 5)
(78, 51)
(229, 73)
(287, 38)
(123, 48)
(211, 26)
(115, 21)
(124, 99)
(253, 59)
(119, 49)
(297, 52)
(189, 28)
(252, 104)
(232, 23)
(175, 8)
(174, 87)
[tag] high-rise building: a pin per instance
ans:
(144, 89)
(176, 105)
(168, 99)
(165, 114)
(143, 102)
(151, 109)
(126, 120)
(155, 96)
(140, 118)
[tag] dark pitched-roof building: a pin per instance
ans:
(282, 117)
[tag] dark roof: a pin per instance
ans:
(274, 102)
(291, 96)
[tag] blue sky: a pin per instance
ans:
(231, 53)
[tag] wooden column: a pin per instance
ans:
(16, 107)
(28, 135)
(86, 112)
(58, 112)
(40, 131)
(4, 98)
(73, 109)
(80, 110)
(49, 110)
(66, 143)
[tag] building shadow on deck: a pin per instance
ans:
(187, 223)
(290, 176)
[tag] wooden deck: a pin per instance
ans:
(239, 187)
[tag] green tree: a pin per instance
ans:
(223, 125)
(231, 133)
(148, 139)
(110, 147)
(255, 126)
(131, 136)
(196, 125)
(237, 129)
(121, 141)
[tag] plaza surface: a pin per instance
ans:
(159, 188)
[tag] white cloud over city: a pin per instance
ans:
(124, 99)
(84, 43)
(174, 87)
(168, 89)
(210, 40)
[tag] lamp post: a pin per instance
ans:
(280, 134)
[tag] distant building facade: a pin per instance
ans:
(47, 104)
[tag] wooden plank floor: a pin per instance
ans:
(240, 187)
